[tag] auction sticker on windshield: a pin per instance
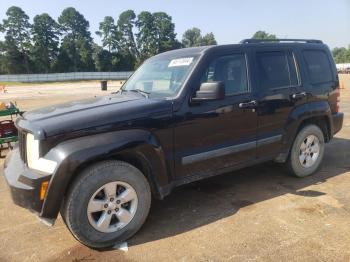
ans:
(181, 62)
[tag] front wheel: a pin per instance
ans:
(107, 204)
(307, 151)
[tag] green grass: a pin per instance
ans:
(12, 84)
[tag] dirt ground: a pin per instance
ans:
(258, 213)
(31, 96)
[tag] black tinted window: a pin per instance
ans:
(276, 69)
(318, 66)
(231, 70)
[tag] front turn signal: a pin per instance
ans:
(43, 189)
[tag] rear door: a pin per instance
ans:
(278, 81)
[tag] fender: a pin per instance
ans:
(296, 118)
(76, 153)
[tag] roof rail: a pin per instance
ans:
(251, 40)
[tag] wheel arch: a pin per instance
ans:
(317, 113)
(323, 122)
(130, 156)
(136, 147)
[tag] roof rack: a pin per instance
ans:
(249, 41)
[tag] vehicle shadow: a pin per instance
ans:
(207, 201)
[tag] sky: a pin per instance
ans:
(230, 21)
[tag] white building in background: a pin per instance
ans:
(343, 67)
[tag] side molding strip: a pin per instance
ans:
(229, 150)
(269, 140)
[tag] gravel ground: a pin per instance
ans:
(258, 213)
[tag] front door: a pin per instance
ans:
(213, 136)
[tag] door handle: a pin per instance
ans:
(299, 95)
(251, 104)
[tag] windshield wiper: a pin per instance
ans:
(146, 94)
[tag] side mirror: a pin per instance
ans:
(210, 91)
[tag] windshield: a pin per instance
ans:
(160, 77)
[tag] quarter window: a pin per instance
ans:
(276, 69)
(318, 66)
(231, 70)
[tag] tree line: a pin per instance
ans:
(341, 55)
(66, 45)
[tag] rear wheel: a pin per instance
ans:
(107, 204)
(307, 151)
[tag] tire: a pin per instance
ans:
(302, 160)
(95, 186)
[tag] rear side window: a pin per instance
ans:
(318, 66)
(276, 69)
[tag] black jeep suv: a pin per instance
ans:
(183, 115)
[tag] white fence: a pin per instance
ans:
(58, 77)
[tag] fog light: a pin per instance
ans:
(43, 189)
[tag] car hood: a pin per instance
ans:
(110, 112)
(77, 107)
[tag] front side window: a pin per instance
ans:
(231, 70)
(276, 69)
(318, 66)
(161, 77)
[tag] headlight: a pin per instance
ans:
(33, 157)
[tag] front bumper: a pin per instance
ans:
(24, 183)
(337, 122)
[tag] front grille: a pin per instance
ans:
(22, 140)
